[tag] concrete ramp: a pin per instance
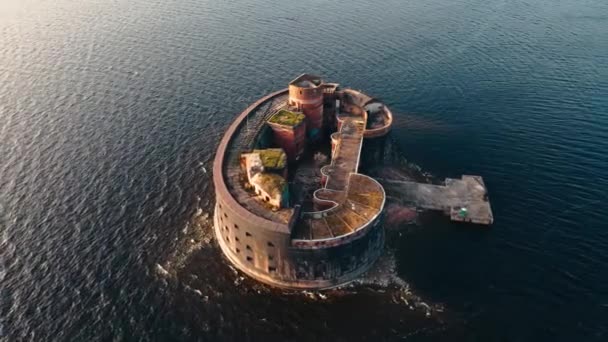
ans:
(464, 200)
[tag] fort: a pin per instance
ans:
(292, 209)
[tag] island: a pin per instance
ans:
(292, 209)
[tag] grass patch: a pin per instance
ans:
(272, 183)
(272, 158)
(287, 118)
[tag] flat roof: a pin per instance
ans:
(287, 118)
(272, 158)
(363, 202)
(271, 183)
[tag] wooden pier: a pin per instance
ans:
(463, 200)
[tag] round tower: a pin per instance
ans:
(306, 96)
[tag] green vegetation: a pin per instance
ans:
(272, 183)
(272, 158)
(287, 118)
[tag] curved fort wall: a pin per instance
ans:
(267, 251)
(354, 102)
(270, 257)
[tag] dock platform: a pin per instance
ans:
(463, 200)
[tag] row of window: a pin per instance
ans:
(269, 244)
(249, 258)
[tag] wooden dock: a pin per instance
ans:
(463, 200)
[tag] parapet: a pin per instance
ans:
(307, 81)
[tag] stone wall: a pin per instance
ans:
(291, 139)
(310, 102)
(249, 246)
(341, 263)
(270, 257)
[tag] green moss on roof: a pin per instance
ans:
(271, 183)
(287, 118)
(272, 158)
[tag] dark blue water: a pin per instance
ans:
(110, 112)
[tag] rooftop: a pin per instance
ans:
(272, 183)
(357, 198)
(307, 81)
(272, 158)
(287, 118)
(377, 115)
(363, 202)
